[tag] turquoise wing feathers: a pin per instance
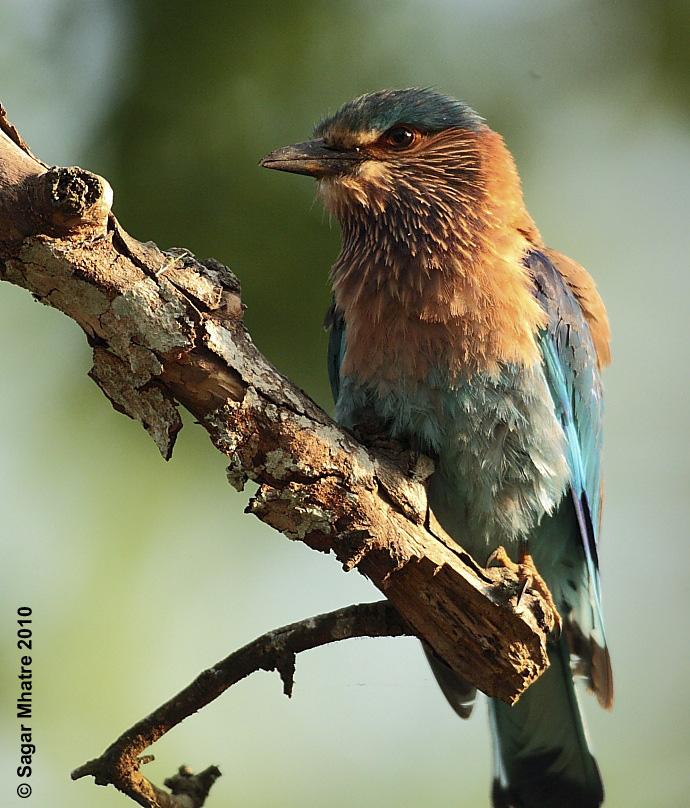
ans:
(571, 370)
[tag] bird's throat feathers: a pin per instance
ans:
(431, 273)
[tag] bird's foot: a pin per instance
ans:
(421, 467)
(529, 578)
(405, 454)
(373, 433)
(378, 441)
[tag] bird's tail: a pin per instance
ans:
(541, 755)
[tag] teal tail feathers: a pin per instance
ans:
(542, 758)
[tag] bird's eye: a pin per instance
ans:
(399, 137)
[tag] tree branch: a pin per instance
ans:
(167, 329)
(275, 650)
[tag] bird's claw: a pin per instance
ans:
(529, 578)
(525, 584)
(503, 559)
(421, 467)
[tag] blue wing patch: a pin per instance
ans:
(571, 369)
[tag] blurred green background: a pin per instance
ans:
(141, 573)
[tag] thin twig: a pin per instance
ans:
(276, 650)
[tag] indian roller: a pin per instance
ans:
(461, 334)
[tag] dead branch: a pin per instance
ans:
(167, 329)
(275, 650)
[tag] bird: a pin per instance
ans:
(463, 335)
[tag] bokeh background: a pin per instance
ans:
(141, 573)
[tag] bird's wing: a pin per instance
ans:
(336, 347)
(572, 371)
(582, 285)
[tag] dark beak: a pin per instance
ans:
(313, 158)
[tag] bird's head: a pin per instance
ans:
(413, 163)
(434, 231)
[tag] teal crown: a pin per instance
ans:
(418, 107)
